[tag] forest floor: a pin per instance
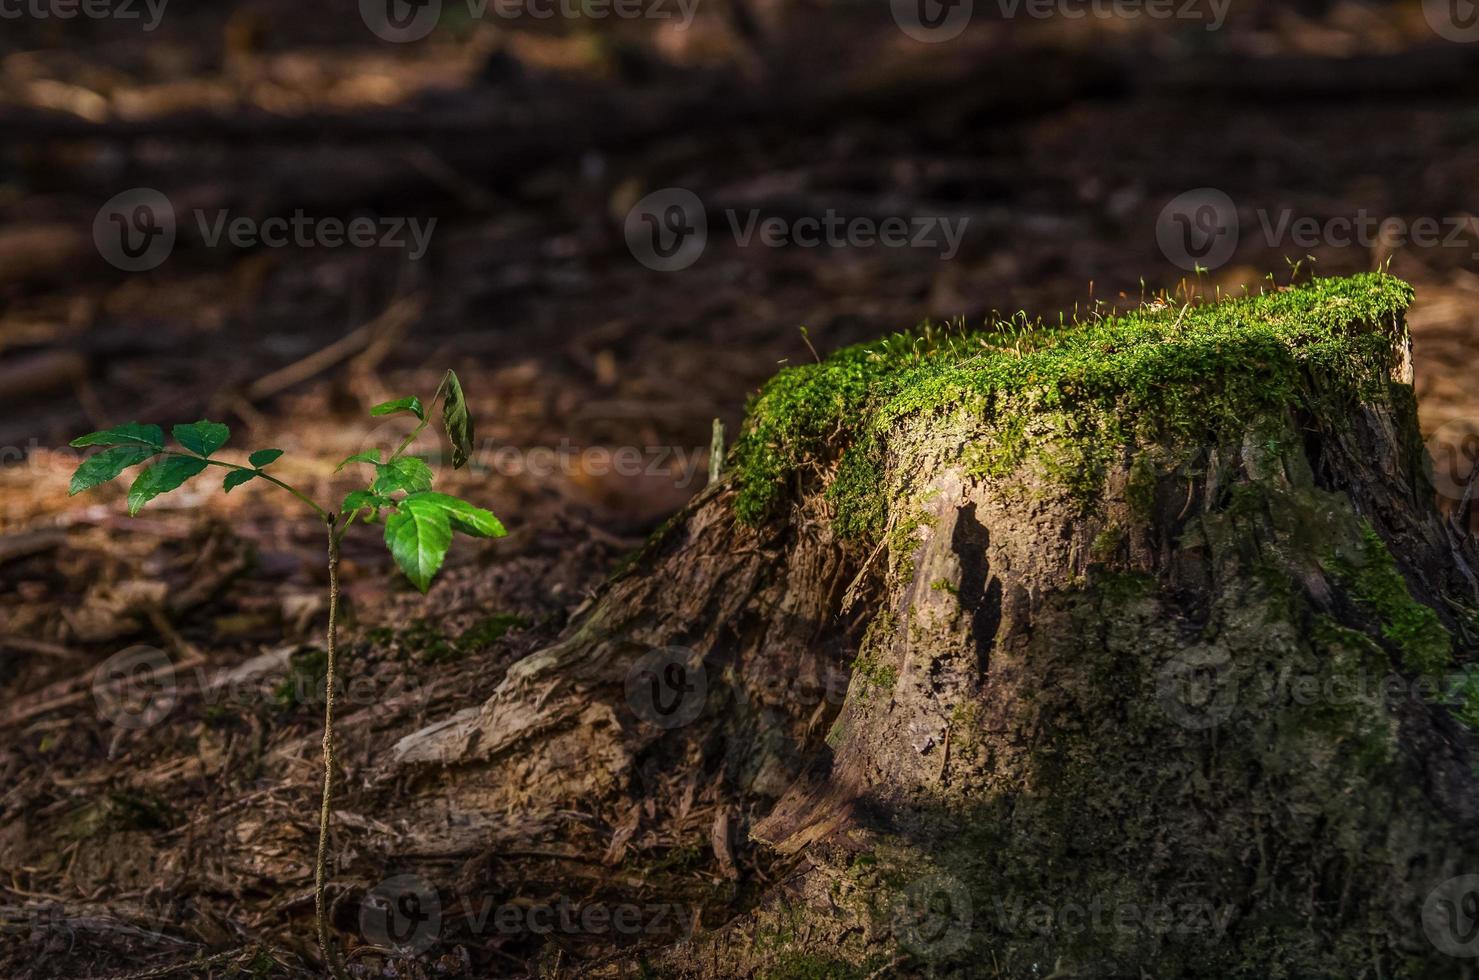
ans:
(593, 379)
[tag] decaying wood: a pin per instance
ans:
(1020, 732)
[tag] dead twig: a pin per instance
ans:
(395, 317)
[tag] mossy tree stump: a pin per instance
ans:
(1148, 627)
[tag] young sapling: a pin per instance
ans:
(419, 524)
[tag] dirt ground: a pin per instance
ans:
(594, 380)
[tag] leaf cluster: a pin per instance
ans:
(419, 522)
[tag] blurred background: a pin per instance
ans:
(614, 219)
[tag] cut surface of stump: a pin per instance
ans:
(1114, 647)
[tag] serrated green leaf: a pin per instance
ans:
(371, 456)
(236, 478)
(264, 457)
(357, 500)
(411, 404)
(457, 421)
(406, 473)
(201, 438)
(106, 465)
(418, 535)
(123, 435)
(470, 520)
(162, 477)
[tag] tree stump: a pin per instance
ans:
(1134, 647)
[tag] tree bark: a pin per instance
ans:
(1190, 723)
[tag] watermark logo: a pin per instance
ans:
(932, 21)
(932, 916)
(403, 913)
(1453, 20)
(1454, 450)
(667, 230)
(1098, 915)
(1451, 916)
(401, 21)
(1198, 229)
(1196, 688)
(668, 687)
(135, 688)
(135, 231)
(151, 12)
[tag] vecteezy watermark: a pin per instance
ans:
(1199, 689)
(1196, 687)
(1453, 20)
(1100, 916)
(403, 21)
(932, 916)
(149, 12)
(685, 466)
(668, 230)
(565, 917)
(667, 687)
(135, 688)
(1451, 916)
(405, 914)
(1200, 230)
(140, 687)
(1454, 449)
(137, 230)
(402, 914)
(52, 927)
(934, 21)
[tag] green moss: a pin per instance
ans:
(1372, 578)
(857, 505)
(879, 675)
(304, 682)
(380, 635)
(810, 966)
(903, 540)
(489, 630)
(117, 811)
(1463, 693)
(1107, 543)
(1140, 488)
(429, 644)
(874, 647)
(1158, 374)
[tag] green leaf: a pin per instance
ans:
(368, 456)
(472, 521)
(418, 535)
(264, 457)
(406, 473)
(201, 438)
(456, 421)
(162, 477)
(412, 404)
(236, 478)
(357, 500)
(106, 465)
(132, 434)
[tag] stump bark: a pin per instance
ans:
(1128, 648)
